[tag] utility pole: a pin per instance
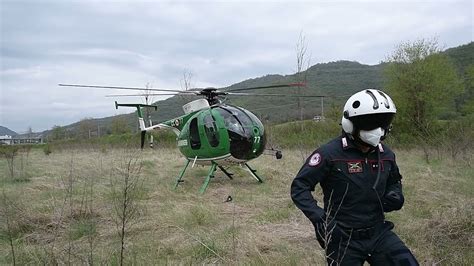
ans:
(147, 111)
(322, 108)
(148, 115)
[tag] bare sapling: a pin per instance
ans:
(186, 83)
(9, 153)
(327, 233)
(302, 64)
(61, 208)
(24, 152)
(457, 140)
(87, 206)
(302, 150)
(69, 185)
(11, 221)
(126, 187)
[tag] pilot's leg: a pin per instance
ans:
(390, 250)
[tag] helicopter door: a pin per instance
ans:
(194, 135)
(211, 130)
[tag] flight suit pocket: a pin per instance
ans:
(384, 175)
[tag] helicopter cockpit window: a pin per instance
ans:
(236, 120)
(211, 130)
(255, 119)
(230, 121)
(194, 135)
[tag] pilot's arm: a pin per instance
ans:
(312, 172)
(393, 198)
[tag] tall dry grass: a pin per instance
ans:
(67, 212)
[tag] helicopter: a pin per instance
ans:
(210, 132)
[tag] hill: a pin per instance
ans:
(340, 78)
(7, 131)
(462, 56)
(337, 80)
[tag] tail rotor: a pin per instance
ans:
(141, 121)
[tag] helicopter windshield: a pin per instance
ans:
(236, 120)
(242, 127)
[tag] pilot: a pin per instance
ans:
(360, 181)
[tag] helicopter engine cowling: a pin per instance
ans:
(196, 105)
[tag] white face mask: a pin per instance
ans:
(372, 137)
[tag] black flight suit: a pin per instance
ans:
(352, 227)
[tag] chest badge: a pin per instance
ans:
(354, 167)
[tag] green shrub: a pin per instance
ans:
(83, 227)
(308, 133)
(47, 149)
(199, 215)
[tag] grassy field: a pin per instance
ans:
(65, 210)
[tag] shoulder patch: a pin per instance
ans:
(315, 159)
(344, 143)
(380, 147)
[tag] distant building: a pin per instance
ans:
(9, 140)
(6, 140)
(318, 118)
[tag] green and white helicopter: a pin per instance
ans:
(210, 132)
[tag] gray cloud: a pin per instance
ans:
(132, 43)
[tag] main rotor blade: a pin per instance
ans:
(277, 95)
(143, 95)
(270, 86)
(120, 88)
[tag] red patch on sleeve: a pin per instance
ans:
(315, 159)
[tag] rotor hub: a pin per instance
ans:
(211, 95)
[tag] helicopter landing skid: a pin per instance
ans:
(229, 175)
(206, 181)
(253, 172)
(178, 180)
(208, 177)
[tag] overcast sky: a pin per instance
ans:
(132, 43)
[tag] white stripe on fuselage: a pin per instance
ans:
(222, 160)
(159, 126)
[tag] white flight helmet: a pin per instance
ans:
(367, 115)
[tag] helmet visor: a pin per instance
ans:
(373, 121)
